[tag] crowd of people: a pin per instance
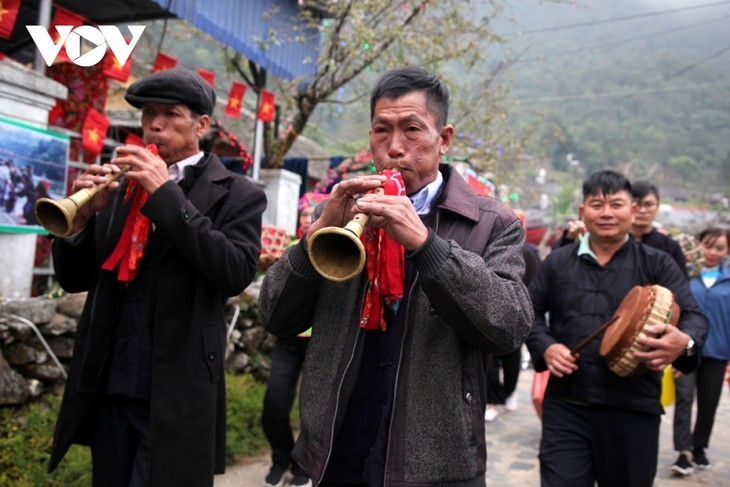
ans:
(398, 368)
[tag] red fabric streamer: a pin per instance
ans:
(385, 261)
(129, 251)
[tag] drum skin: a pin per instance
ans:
(642, 307)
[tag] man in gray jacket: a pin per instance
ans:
(404, 404)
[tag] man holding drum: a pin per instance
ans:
(598, 426)
(159, 254)
(402, 402)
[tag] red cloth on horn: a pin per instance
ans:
(129, 251)
(385, 261)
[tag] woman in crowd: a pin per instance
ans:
(711, 289)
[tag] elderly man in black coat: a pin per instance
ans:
(159, 254)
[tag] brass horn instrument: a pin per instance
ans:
(337, 252)
(57, 216)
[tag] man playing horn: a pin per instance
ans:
(394, 386)
(596, 425)
(159, 254)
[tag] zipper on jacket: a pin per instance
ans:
(400, 361)
(339, 390)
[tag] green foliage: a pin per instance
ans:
(686, 167)
(26, 434)
(25, 444)
(245, 399)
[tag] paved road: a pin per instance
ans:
(512, 445)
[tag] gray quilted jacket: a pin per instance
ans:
(467, 301)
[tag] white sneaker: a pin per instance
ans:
(510, 404)
(490, 414)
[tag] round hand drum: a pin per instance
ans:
(642, 307)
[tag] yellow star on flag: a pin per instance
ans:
(117, 66)
(93, 135)
(266, 109)
(235, 102)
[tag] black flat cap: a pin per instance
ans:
(174, 85)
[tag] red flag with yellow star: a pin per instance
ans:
(207, 76)
(63, 17)
(235, 99)
(112, 68)
(93, 132)
(8, 14)
(164, 62)
(266, 107)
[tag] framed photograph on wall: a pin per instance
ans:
(33, 164)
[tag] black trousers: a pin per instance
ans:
(120, 449)
(286, 364)
(585, 444)
(499, 389)
(708, 380)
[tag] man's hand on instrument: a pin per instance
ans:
(144, 166)
(397, 216)
(575, 230)
(559, 360)
(338, 210)
(95, 175)
(663, 350)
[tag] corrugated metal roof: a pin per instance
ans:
(247, 27)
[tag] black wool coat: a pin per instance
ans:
(211, 232)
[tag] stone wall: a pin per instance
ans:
(28, 368)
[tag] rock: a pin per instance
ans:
(61, 324)
(238, 362)
(62, 347)
(36, 310)
(47, 371)
(13, 387)
(35, 387)
(20, 354)
(252, 338)
(71, 304)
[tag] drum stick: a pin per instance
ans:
(593, 335)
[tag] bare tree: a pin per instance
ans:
(450, 37)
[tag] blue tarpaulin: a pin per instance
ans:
(271, 33)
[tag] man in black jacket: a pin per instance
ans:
(598, 426)
(158, 254)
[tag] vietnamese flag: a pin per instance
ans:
(112, 68)
(235, 100)
(133, 139)
(63, 17)
(8, 14)
(164, 62)
(266, 107)
(207, 76)
(93, 132)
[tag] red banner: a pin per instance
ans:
(8, 14)
(207, 76)
(267, 107)
(133, 139)
(112, 68)
(235, 100)
(94, 132)
(164, 62)
(64, 17)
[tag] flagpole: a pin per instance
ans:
(44, 19)
(258, 145)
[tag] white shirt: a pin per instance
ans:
(423, 199)
(177, 170)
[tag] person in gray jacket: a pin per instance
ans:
(404, 404)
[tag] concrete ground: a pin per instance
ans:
(512, 446)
